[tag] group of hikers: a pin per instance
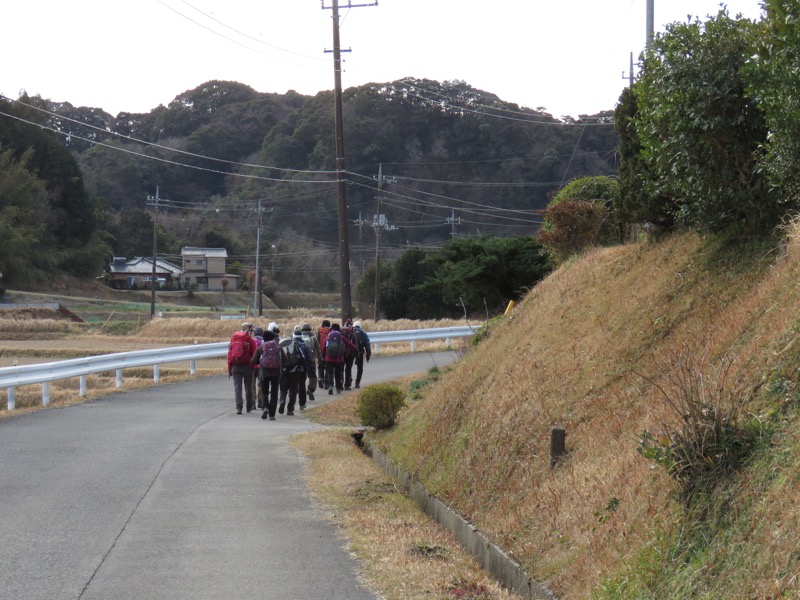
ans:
(268, 369)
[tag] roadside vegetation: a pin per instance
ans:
(673, 367)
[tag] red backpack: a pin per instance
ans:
(239, 349)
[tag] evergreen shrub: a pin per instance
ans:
(379, 405)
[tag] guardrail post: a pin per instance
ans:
(11, 398)
(156, 373)
(119, 378)
(448, 342)
(45, 393)
(376, 348)
(193, 367)
(83, 386)
(413, 346)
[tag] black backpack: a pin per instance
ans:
(292, 354)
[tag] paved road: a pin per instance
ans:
(167, 493)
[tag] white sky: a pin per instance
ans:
(567, 56)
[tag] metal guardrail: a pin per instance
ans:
(46, 373)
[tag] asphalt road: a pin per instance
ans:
(167, 493)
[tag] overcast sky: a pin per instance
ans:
(567, 56)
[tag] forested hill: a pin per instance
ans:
(455, 160)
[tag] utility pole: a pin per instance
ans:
(360, 224)
(452, 220)
(379, 223)
(650, 21)
(154, 202)
(630, 73)
(344, 243)
(257, 275)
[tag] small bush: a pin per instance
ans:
(379, 405)
(708, 440)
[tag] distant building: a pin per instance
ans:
(137, 273)
(205, 268)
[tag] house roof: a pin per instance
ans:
(140, 265)
(207, 252)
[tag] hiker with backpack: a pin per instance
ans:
(322, 335)
(334, 352)
(313, 344)
(240, 353)
(364, 350)
(296, 360)
(350, 357)
(258, 336)
(268, 361)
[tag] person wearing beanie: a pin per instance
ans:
(322, 336)
(313, 344)
(296, 360)
(269, 373)
(258, 336)
(336, 348)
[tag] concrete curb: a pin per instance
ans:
(491, 558)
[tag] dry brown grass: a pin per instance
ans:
(403, 554)
(566, 358)
(28, 398)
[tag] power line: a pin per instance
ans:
(151, 144)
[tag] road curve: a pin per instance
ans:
(168, 493)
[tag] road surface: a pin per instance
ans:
(168, 493)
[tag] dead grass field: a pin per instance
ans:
(37, 336)
(587, 351)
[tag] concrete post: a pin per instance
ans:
(557, 445)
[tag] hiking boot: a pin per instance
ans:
(272, 418)
(302, 407)
(311, 396)
(282, 407)
(265, 414)
(289, 414)
(358, 385)
(239, 411)
(330, 391)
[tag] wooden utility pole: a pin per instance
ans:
(154, 202)
(344, 242)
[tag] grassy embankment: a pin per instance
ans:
(694, 341)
